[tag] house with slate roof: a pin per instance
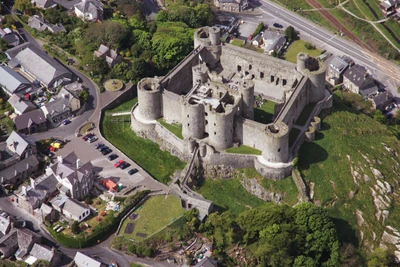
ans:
(20, 104)
(206, 262)
(31, 122)
(41, 67)
(111, 56)
(18, 242)
(382, 100)
(16, 174)
(12, 82)
(337, 67)
(273, 42)
(89, 10)
(57, 110)
(357, 80)
(40, 24)
(71, 97)
(74, 210)
(82, 260)
(42, 252)
(44, 4)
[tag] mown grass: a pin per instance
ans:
(345, 137)
(299, 46)
(160, 164)
(175, 128)
(228, 195)
(236, 42)
(155, 214)
(265, 113)
(305, 114)
(244, 150)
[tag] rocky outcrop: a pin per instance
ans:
(252, 186)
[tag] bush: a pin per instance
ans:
(259, 28)
(309, 46)
(88, 200)
(75, 227)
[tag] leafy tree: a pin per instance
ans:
(22, 5)
(378, 116)
(381, 258)
(3, 45)
(96, 65)
(88, 199)
(259, 28)
(290, 33)
(75, 227)
(309, 46)
(303, 261)
(83, 97)
(142, 39)
(41, 263)
(349, 257)
(221, 228)
(108, 32)
(128, 7)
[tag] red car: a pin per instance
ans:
(119, 163)
(86, 137)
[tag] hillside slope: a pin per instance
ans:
(353, 170)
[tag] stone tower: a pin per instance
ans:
(276, 142)
(149, 99)
(246, 89)
(193, 119)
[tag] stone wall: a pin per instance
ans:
(273, 173)
(250, 133)
(171, 106)
(252, 186)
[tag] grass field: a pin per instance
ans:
(175, 128)
(229, 195)
(265, 113)
(236, 42)
(243, 150)
(155, 214)
(297, 47)
(160, 164)
(347, 141)
(305, 114)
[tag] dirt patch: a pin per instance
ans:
(134, 217)
(129, 228)
(141, 235)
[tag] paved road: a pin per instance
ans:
(382, 69)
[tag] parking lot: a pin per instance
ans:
(86, 152)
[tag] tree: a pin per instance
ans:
(378, 116)
(83, 97)
(349, 256)
(3, 45)
(108, 32)
(259, 28)
(41, 263)
(75, 227)
(381, 258)
(22, 5)
(309, 46)
(291, 34)
(88, 199)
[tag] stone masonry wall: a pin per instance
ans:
(250, 133)
(171, 106)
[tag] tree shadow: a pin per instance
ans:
(346, 233)
(311, 153)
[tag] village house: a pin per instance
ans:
(70, 97)
(57, 110)
(356, 79)
(111, 56)
(232, 5)
(40, 24)
(10, 37)
(89, 10)
(12, 82)
(18, 242)
(82, 260)
(21, 104)
(337, 66)
(388, 7)
(273, 42)
(42, 252)
(31, 122)
(381, 101)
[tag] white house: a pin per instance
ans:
(89, 10)
(74, 210)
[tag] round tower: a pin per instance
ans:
(220, 130)
(149, 99)
(200, 73)
(302, 59)
(193, 120)
(201, 37)
(276, 142)
(215, 35)
(246, 90)
(317, 82)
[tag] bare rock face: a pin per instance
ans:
(360, 219)
(377, 173)
(252, 186)
(219, 172)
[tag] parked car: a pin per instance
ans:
(119, 163)
(106, 151)
(59, 141)
(86, 137)
(132, 171)
(124, 165)
(277, 25)
(93, 139)
(112, 157)
(98, 145)
(66, 122)
(103, 148)
(48, 153)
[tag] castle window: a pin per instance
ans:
(206, 114)
(261, 75)
(250, 67)
(215, 133)
(277, 81)
(283, 82)
(272, 78)
(188, 115)
(246, 73)
(279, 150)
(188, 124)
(215, 124)
(239, 68)
(206, 122)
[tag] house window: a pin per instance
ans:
(215, 133)
(279, 150)
(80, 217)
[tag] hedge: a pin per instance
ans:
(102, 230)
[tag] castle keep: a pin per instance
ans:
(212, 94)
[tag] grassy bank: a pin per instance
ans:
(244, 150)
(265, 112)
(299, 46)
(160, 164)
(175, 128)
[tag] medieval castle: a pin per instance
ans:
(211, 93)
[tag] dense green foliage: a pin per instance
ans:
(290, 33)
(259, 28)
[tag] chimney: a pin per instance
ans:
(9, 218)
(60, 159)
(12, 225)
(77, 163)
(32, 183)
(23, 189)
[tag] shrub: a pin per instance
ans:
(259, 28)
(88, 200)
(75, 227)
(309, 46)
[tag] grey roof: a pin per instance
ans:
(20, 104)
(9, 242)
(90, 6)
(12, 52)
(26, 238)
(28, 119)
(81, 260)
(19, 167)
(57, 106)
(338, 64)
(383, 98)
(40, 65)
(12, 39)
(67, 94)
(359, 76)
(40, 24)
(273, 40)
(18, 143)
(206, 262)
(74, 207)
(41, 252)
(44, 186)
(44, 3)
(67, 168)
(46, 209)
(10, 80)
(5, 224)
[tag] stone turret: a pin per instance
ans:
(276, 142)
(200, 73)
(149, 99)
(193, 120)
(246, 90)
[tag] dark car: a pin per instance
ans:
(106, 151)
(277, 25)
(86, 137)
(92, 139)
(132, 171)
(103, 148)
(48, 153)
(112, 157)
(98, 146)
(124, 165)
(65, 122)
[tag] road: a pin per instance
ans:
(384, 70)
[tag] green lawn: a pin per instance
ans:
(236, 42)
(135, 265)
(344, 138)
(229, 195)
(175, 128)
(296, 47)
(305, 114)
(243, 150)
(160, 164)
(155, 214)
(265, 113)
(125, 106)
